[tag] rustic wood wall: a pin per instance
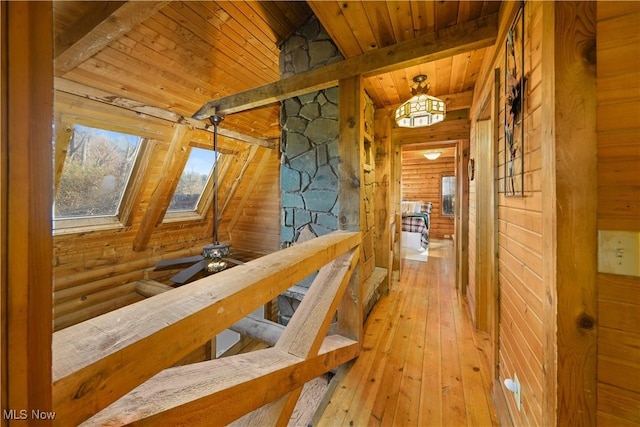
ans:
(25, 210)
(519, 234)
(421, 180)
(95, 270)
(618, 126)
(547, 238)
(252, 221)
(520, 268)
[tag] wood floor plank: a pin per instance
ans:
(380, 325)
(422, 363)
(408, 404)
(452, 389)
(431, 390)
(478, 407)
(367, 390)
(384, 407)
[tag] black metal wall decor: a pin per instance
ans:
(514, 107)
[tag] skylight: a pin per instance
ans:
(193, 180)
(95, 173)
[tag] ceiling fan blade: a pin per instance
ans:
(234, 261)
(186, 274)
(166, 263)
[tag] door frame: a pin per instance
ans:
(487, 291)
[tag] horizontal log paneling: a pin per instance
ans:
(421, 180)
(623, 403)
(618, 126)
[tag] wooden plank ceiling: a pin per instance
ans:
(177, 55)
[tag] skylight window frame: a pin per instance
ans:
(205, 199)
(122, 217)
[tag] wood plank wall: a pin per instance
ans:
(95, 271)
(421, 180)
(536, 233)
(521, 332)
(618, 127)
(520, 267)
(253, 219)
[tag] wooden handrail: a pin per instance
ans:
(98, 361)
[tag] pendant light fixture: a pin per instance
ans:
(421, 109)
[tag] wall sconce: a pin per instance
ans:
(432, 155)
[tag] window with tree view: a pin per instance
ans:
(448, 195)
(193, 180)
(95, 173)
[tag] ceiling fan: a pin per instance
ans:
(215, 256)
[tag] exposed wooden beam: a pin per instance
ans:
(220, 391)
(351, 212)
(141, 108)
(453, 40)
(174, 161)
(26, 192)
(97, 28)
(454, 127)
(96, 362)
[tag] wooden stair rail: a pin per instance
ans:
(130, 351)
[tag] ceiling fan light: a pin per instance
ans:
(216, 265)
(215, 250)
(432, 155)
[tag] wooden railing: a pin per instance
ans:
(117, 369)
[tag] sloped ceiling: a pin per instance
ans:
(178, 55)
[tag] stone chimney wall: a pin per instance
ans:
(309, 146)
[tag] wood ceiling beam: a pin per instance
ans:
(453, 128)
(97, 29)
(141, 108)
(451, 41)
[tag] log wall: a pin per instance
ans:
(618, 127)
(421, 180)
(95, 270)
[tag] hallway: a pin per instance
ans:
(422, 364)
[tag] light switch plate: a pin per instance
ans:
(619, 252)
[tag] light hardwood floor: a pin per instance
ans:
(422, 364)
